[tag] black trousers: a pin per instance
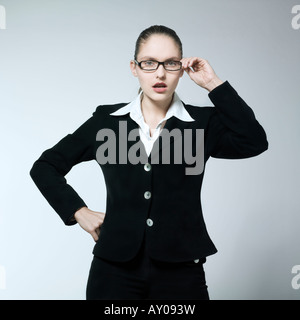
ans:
(144, 278)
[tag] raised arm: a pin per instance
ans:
(233, 131)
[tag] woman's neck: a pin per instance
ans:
(154, 111)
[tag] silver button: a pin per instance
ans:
(147, 195)
(147, 167)
(149, 222)
(196, 260)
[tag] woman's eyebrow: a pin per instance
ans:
(148, 58)
(151, 58)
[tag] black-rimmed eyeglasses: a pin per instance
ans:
(152, 65)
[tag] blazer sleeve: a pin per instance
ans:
(49, 170)
(233, 131)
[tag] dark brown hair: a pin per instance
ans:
(156, 29)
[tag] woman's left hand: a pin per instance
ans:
(201, 72)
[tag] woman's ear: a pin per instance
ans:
(133, 68)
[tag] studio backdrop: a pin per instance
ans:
(59, 60)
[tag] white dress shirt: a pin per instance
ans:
(134, 108)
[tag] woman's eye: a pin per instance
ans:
(171, 63)
(149, 63)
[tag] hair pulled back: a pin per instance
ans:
(156, 29)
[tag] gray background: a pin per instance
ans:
(59, 60)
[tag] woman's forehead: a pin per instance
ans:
(159, 47)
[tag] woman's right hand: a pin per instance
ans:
(90, 221)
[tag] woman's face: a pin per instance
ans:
(160, 48)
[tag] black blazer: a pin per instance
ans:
(158, 201)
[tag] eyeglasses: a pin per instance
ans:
(152, 65)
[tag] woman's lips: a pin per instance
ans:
(160, 87)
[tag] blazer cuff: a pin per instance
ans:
(68, 218)
(71, 220)
(221, 92)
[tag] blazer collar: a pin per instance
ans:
(176, 109)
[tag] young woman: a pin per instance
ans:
(152, 241)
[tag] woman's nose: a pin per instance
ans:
(161, 72)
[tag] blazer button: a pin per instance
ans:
(150, 222)
(196, 260)
(147, 167)
(147, 195)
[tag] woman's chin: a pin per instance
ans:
(159, 96)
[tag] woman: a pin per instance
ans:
(151, 243)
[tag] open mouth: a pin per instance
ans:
(160, 85)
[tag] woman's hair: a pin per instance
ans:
(156, 29)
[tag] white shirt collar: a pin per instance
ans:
(176, 109)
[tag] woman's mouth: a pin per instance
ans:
(160, 87)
